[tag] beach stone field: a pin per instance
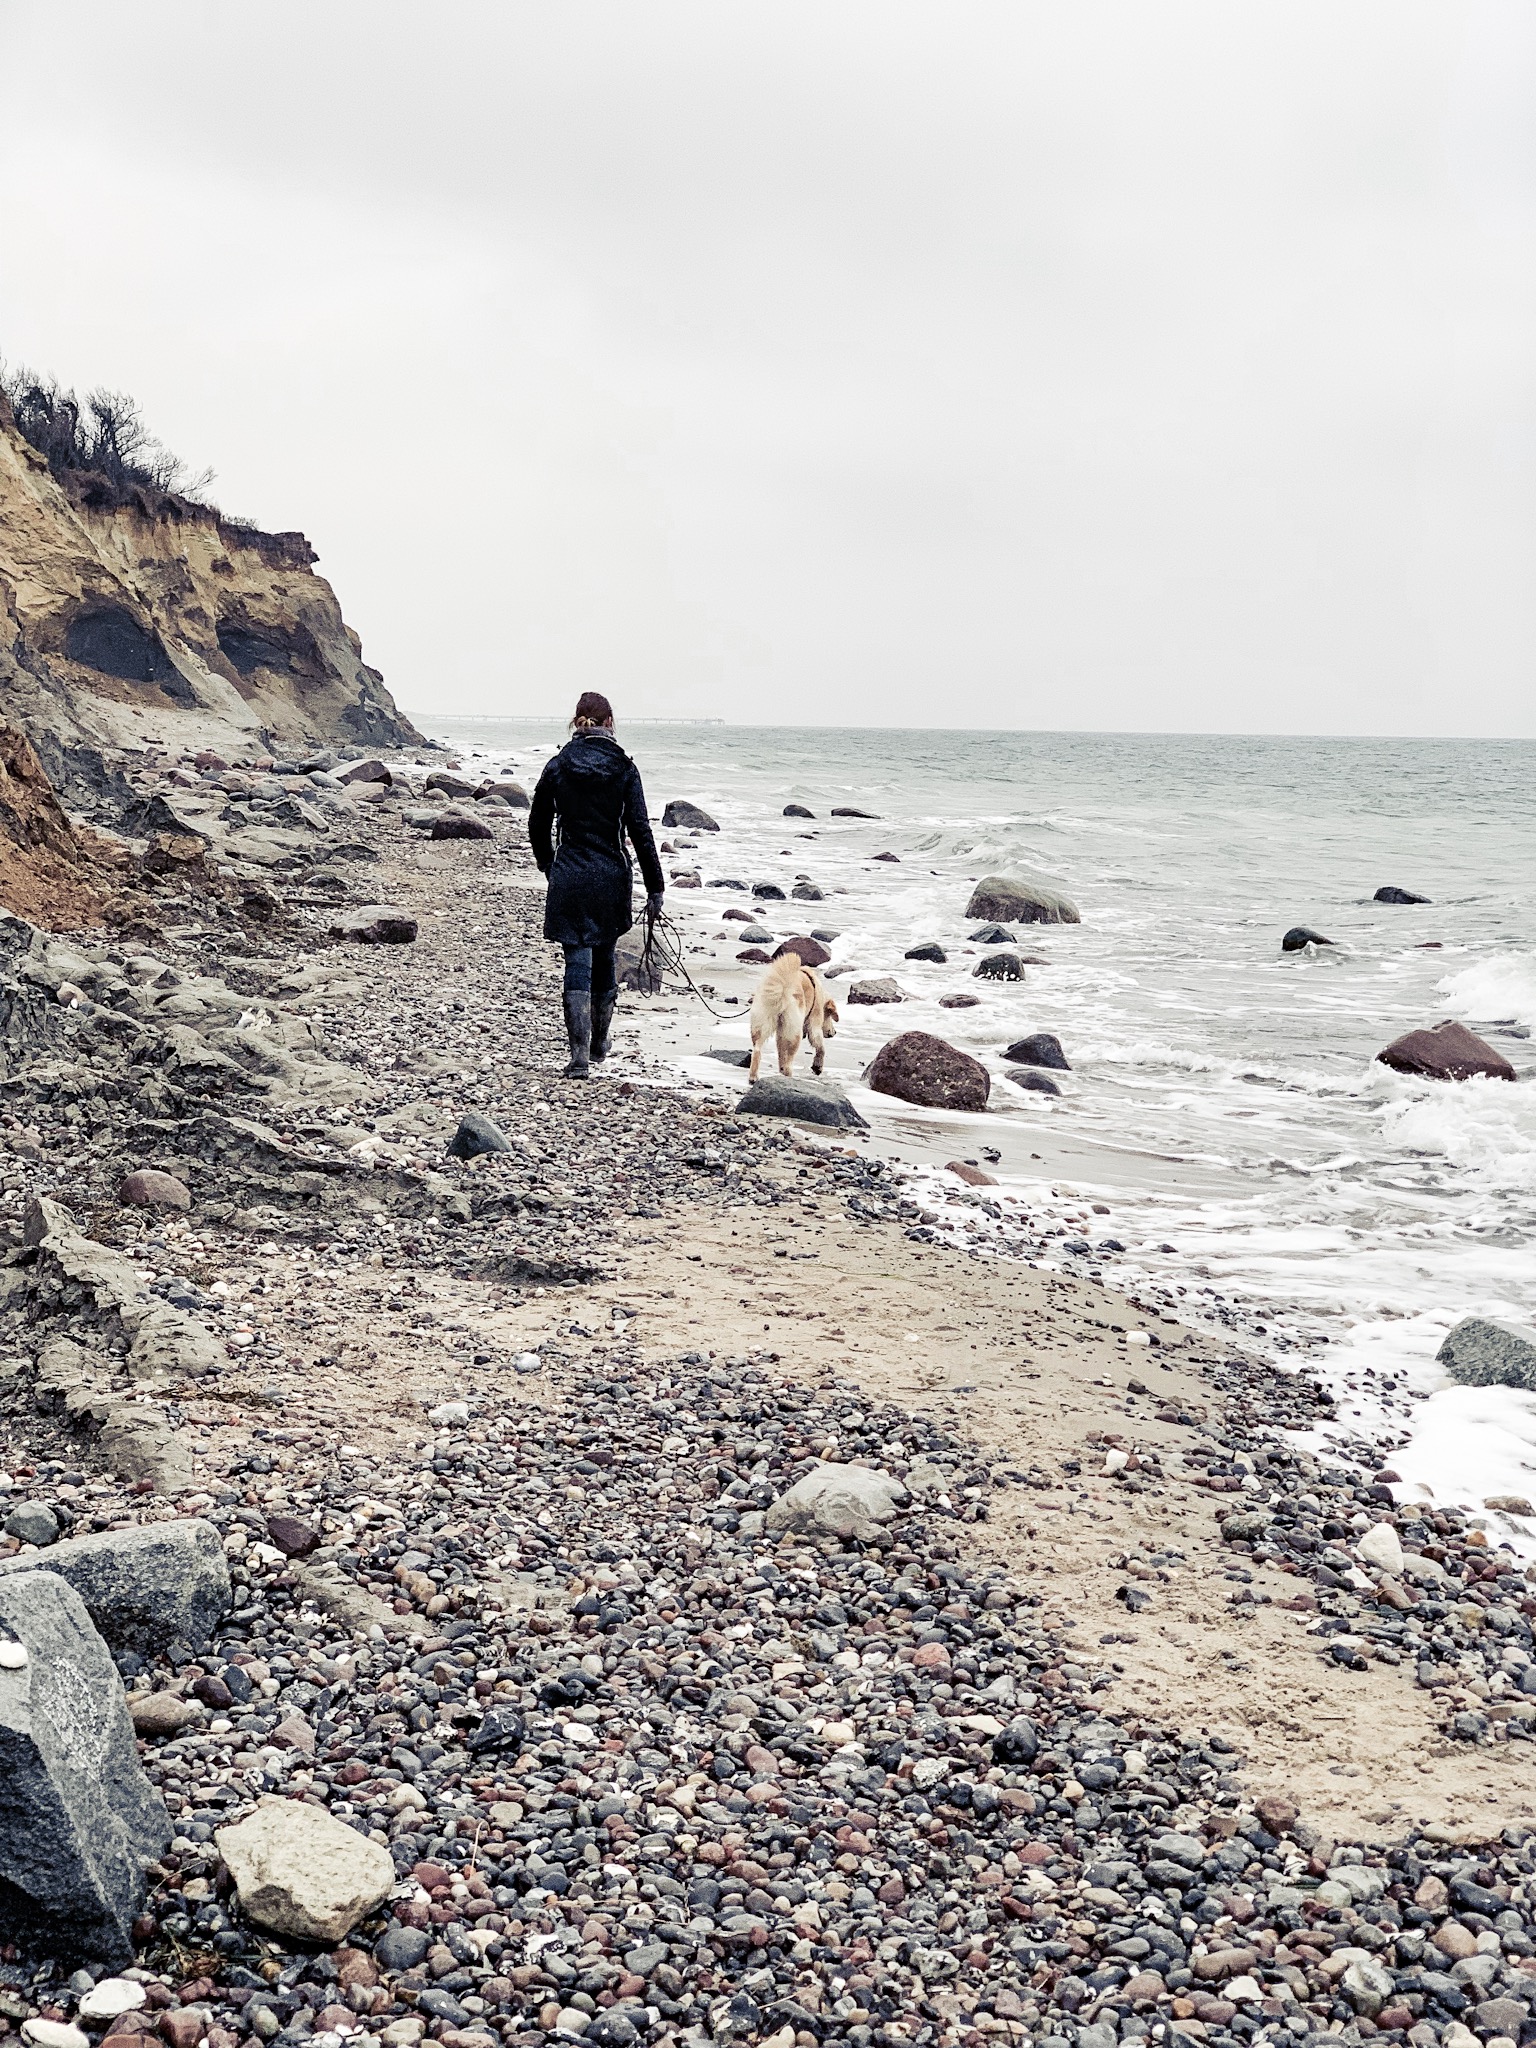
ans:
(472, 1570)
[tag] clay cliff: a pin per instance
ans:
(143, 618)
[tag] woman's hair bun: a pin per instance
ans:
(592, 708)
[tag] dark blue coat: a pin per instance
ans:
(588, 797)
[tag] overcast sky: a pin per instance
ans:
(1111, 364)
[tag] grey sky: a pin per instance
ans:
(1112, 364)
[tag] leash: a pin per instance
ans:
(661, 953)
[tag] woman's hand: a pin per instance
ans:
(653, 905)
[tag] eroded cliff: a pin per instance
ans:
(146, 618)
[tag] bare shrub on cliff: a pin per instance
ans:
(104, 441)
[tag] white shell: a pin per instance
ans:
(13, 1656)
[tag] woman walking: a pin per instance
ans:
(587, 799)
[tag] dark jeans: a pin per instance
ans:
(590, 967)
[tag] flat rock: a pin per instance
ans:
(145, 1588)
(1039, 1049)
(681, 814)
(810, 952)
(1020, 899)
(1483, 1353)
(80, 1819)
(477, 1134)
(811, 1100)
(300, 1872)
(973, 1176)
(1391, 894)
(917, 1067)
(146, 1188)
(842, 1500)
(881, 990)
(375, 924)
(849, 811)
(1446, 1052)
(963, 1001)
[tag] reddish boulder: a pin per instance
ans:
(811, 951)
(973, 1176)
(1446, 1052)
(291, 1536)
(916, 1067)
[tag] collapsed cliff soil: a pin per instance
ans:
(137, 617)
(51, 872)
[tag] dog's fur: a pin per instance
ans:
(791, 1003)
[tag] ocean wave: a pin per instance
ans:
(1503, 986)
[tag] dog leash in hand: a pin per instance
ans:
(661, 953)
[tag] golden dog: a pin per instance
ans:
(789, 1004)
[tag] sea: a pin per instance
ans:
(1224, 1120)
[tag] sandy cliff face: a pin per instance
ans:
(159, 622)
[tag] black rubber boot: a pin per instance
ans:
(578, 1028)
(603, 1007)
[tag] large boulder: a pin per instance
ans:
(916, 1067)
(512, 794)
(78, 1818)
(839, 1500)
(634, 972)
(797, 811)
(375, 924)
(1446, 1052)
(1019, 899)
(687, 817)
(1040, 1049)
(301, 1873)
(882, 990)
(455, 825)
(812, 1101)
(447, 784)
(146, 1588)
(367, 771)
(811, 952)
(1482, 1353)
(999, 967)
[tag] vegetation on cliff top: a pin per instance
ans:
(101, 446)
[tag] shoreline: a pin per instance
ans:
(655, 1318)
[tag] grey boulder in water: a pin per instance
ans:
(1020, 899)
(1480, 1353)
(1299, 937)
(682, 813)
(1040, 1049)
(1392, 894)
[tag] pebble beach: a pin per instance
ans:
(1128, 1700)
